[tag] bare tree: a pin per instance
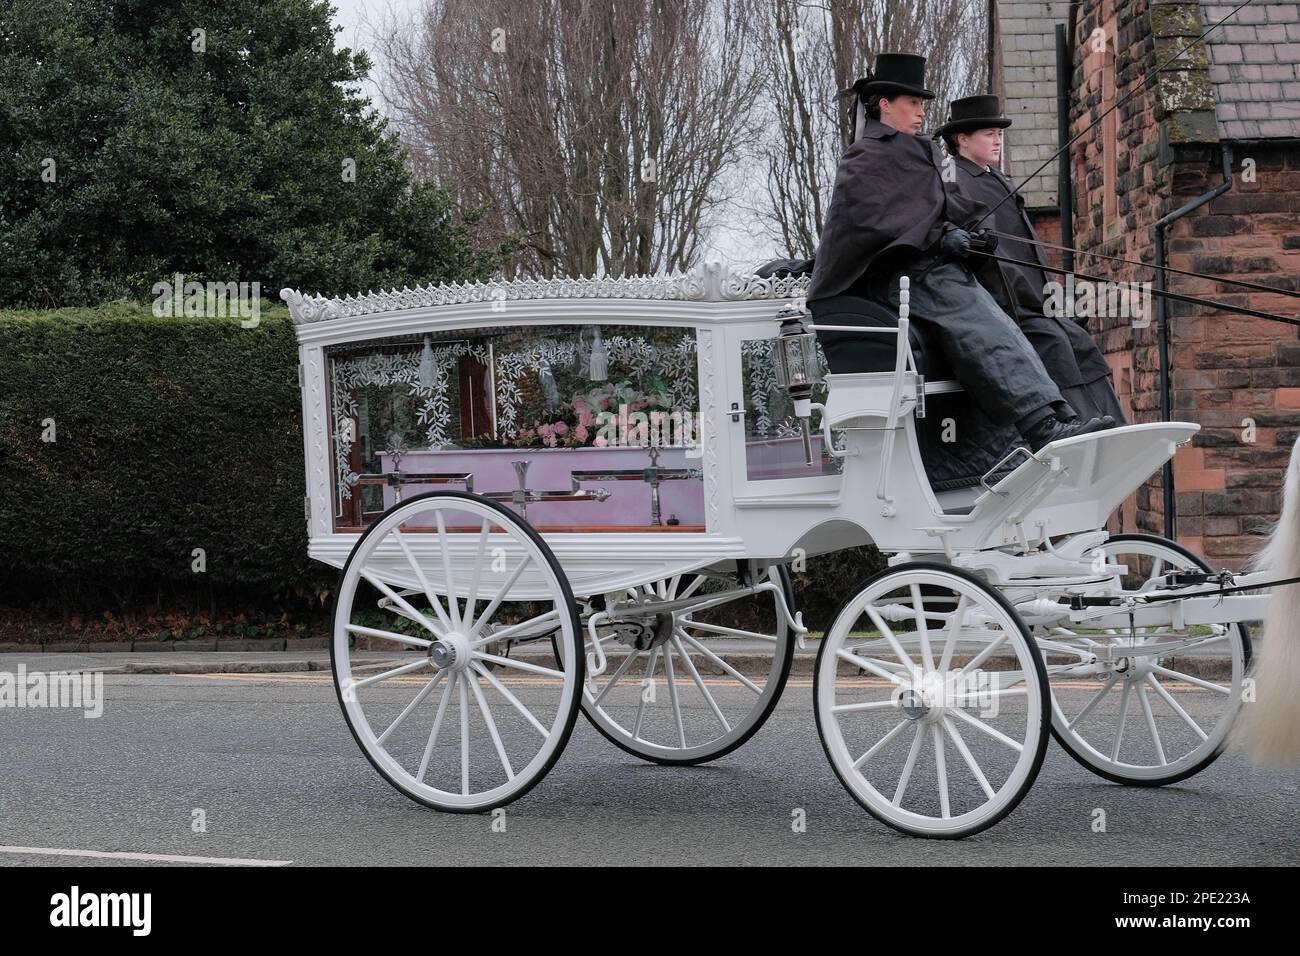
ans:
(812, 49)
(591, 133)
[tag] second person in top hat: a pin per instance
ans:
(973, 137)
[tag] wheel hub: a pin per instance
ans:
(450, 652)
(912, 705)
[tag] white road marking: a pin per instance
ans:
(149, 857)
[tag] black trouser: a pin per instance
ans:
(988, 353)
(1075, 363)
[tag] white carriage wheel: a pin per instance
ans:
(1148, 724)
(665, 701)
(441, 716)
(953, 681)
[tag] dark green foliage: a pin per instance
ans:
(225, 164)
(171, 435)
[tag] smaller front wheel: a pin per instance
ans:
(932, 701)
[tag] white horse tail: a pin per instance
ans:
(1270, 727)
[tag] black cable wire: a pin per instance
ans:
(1167, 295)
(1216, 593)
(1147, 265)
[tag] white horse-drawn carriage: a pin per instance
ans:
(548, 496)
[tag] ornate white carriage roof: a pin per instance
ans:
(706, 283)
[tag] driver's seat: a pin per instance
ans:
(958, 442)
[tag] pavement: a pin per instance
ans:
(231, 766)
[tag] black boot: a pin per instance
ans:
(1052, 429)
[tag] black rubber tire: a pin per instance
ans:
(1243, 633)
(1045, 704)
(568, 603)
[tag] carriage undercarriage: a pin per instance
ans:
(466, 639)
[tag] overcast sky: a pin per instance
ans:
(734, 243)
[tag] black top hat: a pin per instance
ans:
(895, 74)
(971, 113)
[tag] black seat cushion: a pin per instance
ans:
(785, 268)
(855, 352)
(958, 442)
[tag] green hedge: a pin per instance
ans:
(174, 434)
(170, 435)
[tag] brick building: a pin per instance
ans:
(1234, 93)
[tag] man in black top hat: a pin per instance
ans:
(973, 137)
(894, 213)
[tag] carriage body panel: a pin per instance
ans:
(751, 495)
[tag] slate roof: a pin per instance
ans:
(1255, 68)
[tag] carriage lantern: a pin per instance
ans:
(797, 368)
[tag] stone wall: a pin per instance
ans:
(1237, 376)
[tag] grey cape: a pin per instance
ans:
(890, 204)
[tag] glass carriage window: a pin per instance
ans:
(773, 440)
(598, 425)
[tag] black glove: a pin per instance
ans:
(955, 243)
(983, 240)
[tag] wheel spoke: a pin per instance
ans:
(911, 762)
(940, 771)
(464, 737)
(499, 596)
(513, 629)
(388, 635)
(1177, 709)
(424, 583)
(958, 622)
(1176, 675)
(471, 596)
(967, 756)
(922, 629)
(720, 662)
(1119, 727)
(1151, 724)
(395, 672)
(402, 602)
(693, 586)
(982, 656)
(646, 683)
(991, 731)
(867, 664)
(437, 723)
(699, 682)
(520, 665)
(733, 631)
(888, 635)
(869, 705)
(880, 744)
(415, 702)
(505, 692)
(672, 692)
(492, 727)
(633, 654)
(1105, 689)
(446, 569)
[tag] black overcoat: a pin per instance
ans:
(891, 203)
(1069, 353)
